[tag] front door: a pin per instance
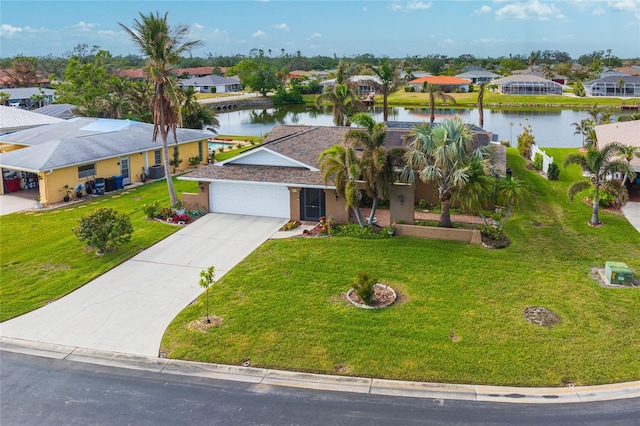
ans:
(124, 171)
(311, 204)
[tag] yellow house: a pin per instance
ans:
(79, 150)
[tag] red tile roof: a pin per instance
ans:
(440, 80)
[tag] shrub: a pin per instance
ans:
(180, 218)
(605, 199)
(363, 286)
(525, 140)
(537, 161)
(553, 173)
(355, 231)
(104, 229)
(422, 204)
(151, 210)
(166, 213)
(194, 161)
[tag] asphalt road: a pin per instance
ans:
(36, 391)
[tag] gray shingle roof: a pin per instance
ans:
(82, 141)
(63, 111)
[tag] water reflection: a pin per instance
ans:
(551, 128)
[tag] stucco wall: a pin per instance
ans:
(294, 203)
(401, 203)
(192, 199)
(335, 207)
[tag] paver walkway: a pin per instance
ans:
(128, 309)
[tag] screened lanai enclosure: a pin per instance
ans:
(527, 85)
(623, 86)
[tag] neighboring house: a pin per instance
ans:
(626, 133)
(537, 71)
(74, 151)
(616, 85)
(16, 119)
(282, 178)
(445, 83)
(212, 84)
(22, 97)
(632, 70)
(362, 83)
(63, 111)
(198, 71)
(137, 74)
(527, 84)
(478, 75)
(312, 75)
(405, 76)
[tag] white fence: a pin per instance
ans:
(546, 160)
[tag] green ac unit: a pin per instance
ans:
(617, 273)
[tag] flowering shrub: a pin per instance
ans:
(180, 218)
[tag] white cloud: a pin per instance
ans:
(418, 5)
(282, 27)
(7, 30)
(625, 5)
(316, 35)
(395, 6)
(84, 26)
(530, 10)
(196, 27)
(484, 9)
(448, 42)
(259, 34)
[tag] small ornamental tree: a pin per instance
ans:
(105, 229)
(363, 286)
(207, 279)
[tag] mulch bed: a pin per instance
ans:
(383, 296)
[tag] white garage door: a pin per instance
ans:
(249, 199)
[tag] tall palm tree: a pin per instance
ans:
(375, 166)
(345, 103)
(599, 163)
(162, 46)
(481, 103)
(389, 76)
(441, 155)
(436, 92)
(340, 164)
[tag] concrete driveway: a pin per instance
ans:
(632, 212)
(14, 203)
(128, 309)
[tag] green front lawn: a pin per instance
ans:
(460, 314)
(41, 259)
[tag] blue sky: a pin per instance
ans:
(483, 28)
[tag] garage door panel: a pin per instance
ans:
(249, 199)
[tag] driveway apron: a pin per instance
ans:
(632, 212)
(128, 309)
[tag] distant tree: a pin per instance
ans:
(257, 74)
(23, 72)
(194, 114)
(436, 92)
(344, 100)
(207, 279)
(481, 104)
(389, 76)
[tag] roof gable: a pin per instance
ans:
(265, 157)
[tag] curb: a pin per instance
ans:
(262, 376)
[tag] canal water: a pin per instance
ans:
(551, 128)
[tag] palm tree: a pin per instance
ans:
(620, 85)
(374, 163)
(599, 163)
(436, 92)
(629, 117)
(389, 76)
(162, 46)
(442, 155)
(481, 104)
(340, 164)
(581, 128)
(345, 103)
(629, 152)
(194, 114)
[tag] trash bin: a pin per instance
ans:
(110, 184)
(119, 181)
(99, 188)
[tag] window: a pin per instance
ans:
(86, 171)
(200, 150)
(158, 156)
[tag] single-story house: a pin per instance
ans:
(615, 85)
(444, 83)
(527, 84)
(406, 76)
(211, 84)
(626, 133)
(478, 75)
(538, 72)
(63, 111)
(282, 178)
(362, 83)
(23, 97)
(77, 150)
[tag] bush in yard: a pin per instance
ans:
(363, 286)
(105, 229)
(151, 210)
(537, 161)
(525, 140)
(553, 173)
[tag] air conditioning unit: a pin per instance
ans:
(156, 172)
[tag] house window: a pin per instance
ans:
(86, 171)
(157, 156)
(200, 150)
